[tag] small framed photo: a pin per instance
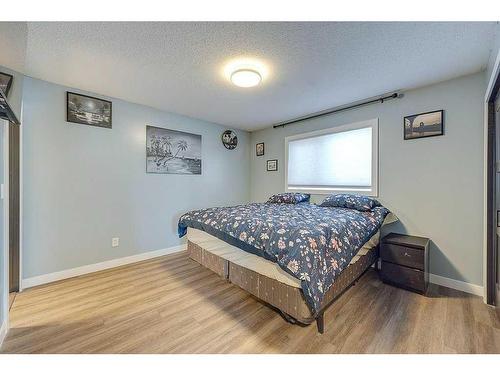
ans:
(272, 165)
(422, 125)
(259, 149)
(87, 110)
(5, 83)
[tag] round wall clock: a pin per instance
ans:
(229, 139)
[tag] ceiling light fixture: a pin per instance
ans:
(246, 78)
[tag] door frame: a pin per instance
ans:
(490, 294)
(14, 208)
(4, 305)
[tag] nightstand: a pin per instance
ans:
(405, 261)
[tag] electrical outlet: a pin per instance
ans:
(115, 241)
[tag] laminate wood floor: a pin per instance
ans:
(173, 305)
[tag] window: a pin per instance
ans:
(341, 159)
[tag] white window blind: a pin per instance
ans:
(334, 160)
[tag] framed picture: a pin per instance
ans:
(229, 139)
(272, 165)
(172, 151)
(427, 124)
(5, 83)
(259, 149)
(87, 110)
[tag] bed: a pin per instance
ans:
(298, 258)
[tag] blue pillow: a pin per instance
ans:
(291, 198)
(353, 201)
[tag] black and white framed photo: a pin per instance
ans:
(422, 125)
(259, 149)
(172, 151)
(272, 165)
(5, 83)
(87, 110)
(229, 139)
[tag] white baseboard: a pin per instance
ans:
(78, 271)
(4, 329)
(455, 284)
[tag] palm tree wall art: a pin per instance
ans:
(172, 151)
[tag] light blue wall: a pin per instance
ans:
(495, 49)
(434, 185)
(84, 185)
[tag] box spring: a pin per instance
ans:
(286, 298)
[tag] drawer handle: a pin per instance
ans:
(407, 255)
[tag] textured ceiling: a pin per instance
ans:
(178, 67)
(13, 37)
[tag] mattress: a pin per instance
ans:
(255, 263)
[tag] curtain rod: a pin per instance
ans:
(378, 99)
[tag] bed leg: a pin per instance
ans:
(320, 322)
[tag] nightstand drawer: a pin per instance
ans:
(405, 277)
(403, 255)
